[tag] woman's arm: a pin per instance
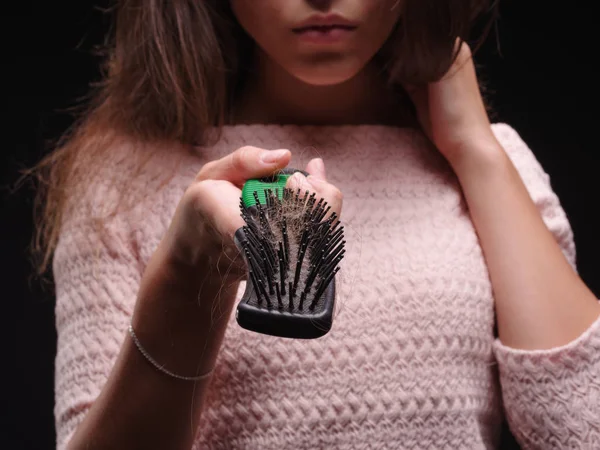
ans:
(549, 349)
(548, 354)
(180, 318)
(541, 302)
(107, 394)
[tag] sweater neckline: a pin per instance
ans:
(240, 130)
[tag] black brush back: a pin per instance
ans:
(292, 256)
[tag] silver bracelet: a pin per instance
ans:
(161, 368)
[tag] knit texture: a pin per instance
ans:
(411, 361)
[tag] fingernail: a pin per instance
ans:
(272, 156)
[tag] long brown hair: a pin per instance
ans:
(172, 71)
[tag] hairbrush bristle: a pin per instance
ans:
(292, 254)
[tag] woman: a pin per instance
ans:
(452, 228)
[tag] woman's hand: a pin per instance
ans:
(452, 113)
(208, 215)
(317, 182)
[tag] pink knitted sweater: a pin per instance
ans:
(411, 361)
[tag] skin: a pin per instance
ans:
(541, 303)
(304, 83)
(270, 24)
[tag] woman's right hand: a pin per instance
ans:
(208, 214)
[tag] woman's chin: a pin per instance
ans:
(325, 76)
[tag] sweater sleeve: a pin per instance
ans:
(551, 397)
(97, 279)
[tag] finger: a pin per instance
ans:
(322, 189)
(244, 164)
(463, 61)
(298, 181)
(316, 167)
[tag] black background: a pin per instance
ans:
(544, 84)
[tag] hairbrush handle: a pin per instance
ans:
(291, 255)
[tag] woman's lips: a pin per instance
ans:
(324, 34)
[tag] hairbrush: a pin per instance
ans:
(292, 255)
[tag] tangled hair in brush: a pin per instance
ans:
(290, 248)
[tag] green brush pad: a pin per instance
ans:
(277, 181)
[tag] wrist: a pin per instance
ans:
(183, 281)
(174, 315)
(201, 254)
(477, 159)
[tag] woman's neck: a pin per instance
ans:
(275, 96)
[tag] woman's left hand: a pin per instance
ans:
(452, 113)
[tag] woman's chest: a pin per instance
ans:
(413, 282)
(413, 328)
(411, 339)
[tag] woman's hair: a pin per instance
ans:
(173, 70)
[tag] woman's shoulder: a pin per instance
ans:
(520, 153)
(127, 200)
(508, 135)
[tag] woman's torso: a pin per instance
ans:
(408, 362)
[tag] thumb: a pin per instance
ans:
(245, 163)
(316, 168)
